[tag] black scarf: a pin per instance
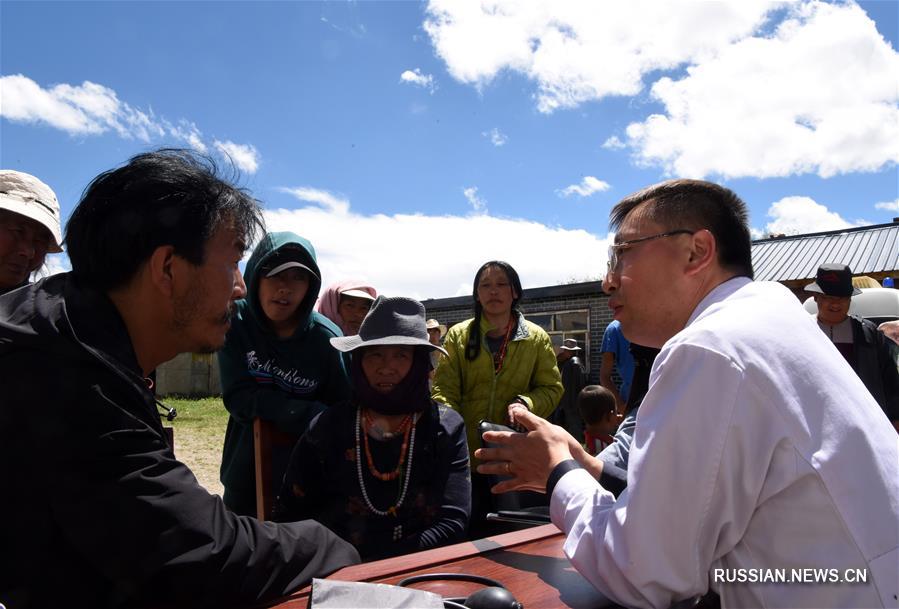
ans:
(411, 394)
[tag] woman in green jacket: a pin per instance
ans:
(495, 363)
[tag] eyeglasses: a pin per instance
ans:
(615, 250)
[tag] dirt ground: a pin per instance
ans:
(202, 453)
(199, 435)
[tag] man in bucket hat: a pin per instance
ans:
(865, 348)
(436, 331)
(29, 227)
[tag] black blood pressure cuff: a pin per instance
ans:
(558, 471)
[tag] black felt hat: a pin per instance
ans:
(390, 321)
(834, 280)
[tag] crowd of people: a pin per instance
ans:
(724, 399)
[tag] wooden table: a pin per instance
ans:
(530, 563)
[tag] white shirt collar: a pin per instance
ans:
(718, 293)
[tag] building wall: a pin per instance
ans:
(594, 302)
(198, 374)
(189, 374)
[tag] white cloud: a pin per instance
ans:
(818, 95)
(412, 254)
(53, 264)
(356, 30)
(797, 215)
(588, 186)
(327, 200)
(581, 50)
(86, 109)
(93, 109)
(888, 205)
(479, 204)
(244, 156)
(188, 132)
(613, 143)
(415, 77)
(496, 137)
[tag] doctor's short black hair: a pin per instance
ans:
(696, 205)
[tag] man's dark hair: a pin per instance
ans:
(166, 197)
(696, 205)
(474, 331)
(594, 402)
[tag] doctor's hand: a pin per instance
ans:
(529, 457)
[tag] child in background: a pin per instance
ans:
(597, 407)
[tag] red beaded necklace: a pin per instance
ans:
(405, 428)
(500, 356)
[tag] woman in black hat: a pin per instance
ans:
(388, 471)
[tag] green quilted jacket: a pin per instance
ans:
(471, 387)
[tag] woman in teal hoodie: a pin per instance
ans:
(277, 363)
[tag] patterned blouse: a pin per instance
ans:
(322, 483)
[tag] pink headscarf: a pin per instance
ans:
(329, 299)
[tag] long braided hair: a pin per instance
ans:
(473, 347)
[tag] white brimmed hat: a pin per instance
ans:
(570, 344)
(354, 293)
(391, 321)
(24, 194)
(433, 323)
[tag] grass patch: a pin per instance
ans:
(199, 436)
(198, 413)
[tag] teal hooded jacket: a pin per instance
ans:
(284, 380)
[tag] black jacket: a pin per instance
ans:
(874, 360)
(566, 414)
(96, 510)
(322, 482)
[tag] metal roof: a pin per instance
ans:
(867, 249)
(584, 288)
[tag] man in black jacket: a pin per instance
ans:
(867, 350)
(574, 378)
(96, 510)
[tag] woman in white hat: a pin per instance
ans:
(388, 471)
(346, 303)
(29, 227)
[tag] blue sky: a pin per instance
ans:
(413, 141)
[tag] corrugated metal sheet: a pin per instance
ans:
(868, 249)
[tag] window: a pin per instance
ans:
(567, 324)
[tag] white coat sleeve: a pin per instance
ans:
(692, 487)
